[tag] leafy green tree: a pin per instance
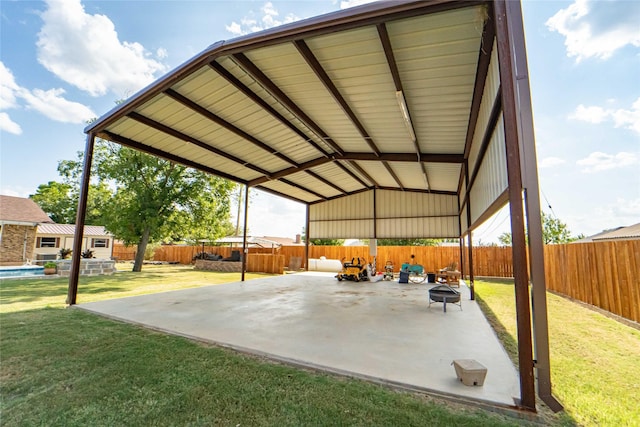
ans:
(554, 231)
(153, 199)
(55, 199)
(156, 198)
(327, 242)
(408, 242)
(59, 200)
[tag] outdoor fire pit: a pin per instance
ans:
(444, 294)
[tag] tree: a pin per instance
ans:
(59, 200)
(554, 231)
(154, 199)
(321, 242)
(55, 200)
(408, 242)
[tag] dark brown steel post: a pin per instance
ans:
(514, 176)
(74, 273)
(532, 206)
(306, 242)
(245, 250)
(472, 288)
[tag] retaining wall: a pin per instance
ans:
(88, 267)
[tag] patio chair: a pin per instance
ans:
(449, 274)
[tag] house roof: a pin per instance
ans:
(251, 241)
(621, 233)
(21, 210)
(373, 97)
(70, 229)
(284, 241)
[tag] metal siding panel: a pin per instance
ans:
(491, 180)
(336, 175)
(492, 84)
(304, 152)
(289, 71)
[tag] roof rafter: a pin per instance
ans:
(383, 34)
(233, 80)
(322, 75)
(251, 69)
(177, 134)
(225, 124)
(325, 181)
(110, 136)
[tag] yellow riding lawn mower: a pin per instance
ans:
(356, 270)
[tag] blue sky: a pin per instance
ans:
(64, 62)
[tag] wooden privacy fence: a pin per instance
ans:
(603, 274)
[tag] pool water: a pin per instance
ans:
(21, 271)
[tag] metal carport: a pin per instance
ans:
(390, 120)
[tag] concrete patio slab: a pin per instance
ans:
(383, 331)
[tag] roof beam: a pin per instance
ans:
(225, 124)
(484, 60)
(408, 190)
(383, 34)
(363, 173)
(325, 181)
(404, 157)
(281, 174)
(176, 134)
(315, 65)
(393, 175)
(351, 174)
(300, 187)
(234, 81)
(250, 68)
(110, 136)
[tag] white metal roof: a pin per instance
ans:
(70, 229)
(315, 110)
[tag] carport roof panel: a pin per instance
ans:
(313, 110)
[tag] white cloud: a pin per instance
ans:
(8, 88)
(50, 102)
(267, 18)
(622, 118)
(344, 4)
(623, 212)
(8, 125)
(550, 162)
(54, 106)
(162, 53)
(598, 161)
(589, 114)
(597, 28)
(84, 51)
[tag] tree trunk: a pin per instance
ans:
(142, 247)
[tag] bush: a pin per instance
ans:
(50, 264)
(87, 253)
(64, 253)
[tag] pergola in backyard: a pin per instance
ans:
(401, 119)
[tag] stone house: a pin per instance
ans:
(19, 219)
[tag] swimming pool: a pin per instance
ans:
(21, 271)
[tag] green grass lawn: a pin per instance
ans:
(595, 360)
(69, 367)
